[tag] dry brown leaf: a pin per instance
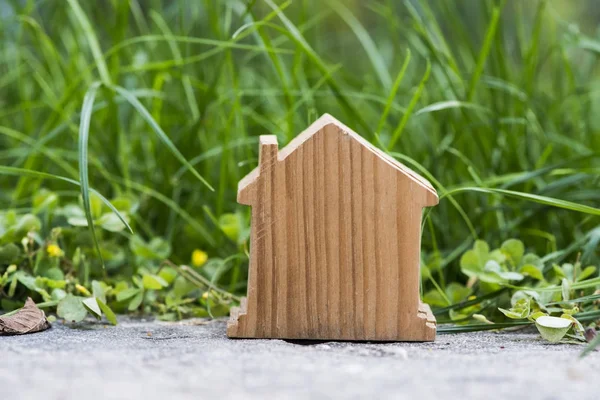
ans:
(28, 319)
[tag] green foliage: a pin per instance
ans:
(71, 308)
(54, 262)
(553, 329)
(539, 289)
(153, 105)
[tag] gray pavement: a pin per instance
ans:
(195, 360)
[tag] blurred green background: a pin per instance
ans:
(493, 101)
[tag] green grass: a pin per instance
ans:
(158, 106)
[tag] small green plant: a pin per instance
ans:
(49, 255)
(523, 287)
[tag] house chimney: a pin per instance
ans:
(268, 152)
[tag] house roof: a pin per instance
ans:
(315, 127)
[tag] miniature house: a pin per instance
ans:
(335, 241)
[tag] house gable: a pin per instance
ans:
(268, 155)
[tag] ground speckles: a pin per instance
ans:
(184, 360)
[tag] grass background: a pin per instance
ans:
(496, 102)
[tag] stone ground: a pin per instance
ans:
(195, 360)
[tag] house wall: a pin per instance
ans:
(334, 247)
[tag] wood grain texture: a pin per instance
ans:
(335, 242)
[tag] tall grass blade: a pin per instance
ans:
(135, 103)
(13, 171)
(365, 40)
(452, 104)
(92, 40)
(84, 133)
(591, 346)
(411, 106)
(568, 205)
(296, 35)
(485, 50)
(392, 95)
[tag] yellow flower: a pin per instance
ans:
(204, 295)
(54, 251)
(82, 290)
(199, 257)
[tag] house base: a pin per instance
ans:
(423, 331)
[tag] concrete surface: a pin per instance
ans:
(195, 360)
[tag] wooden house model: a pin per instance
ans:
(335, 241)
